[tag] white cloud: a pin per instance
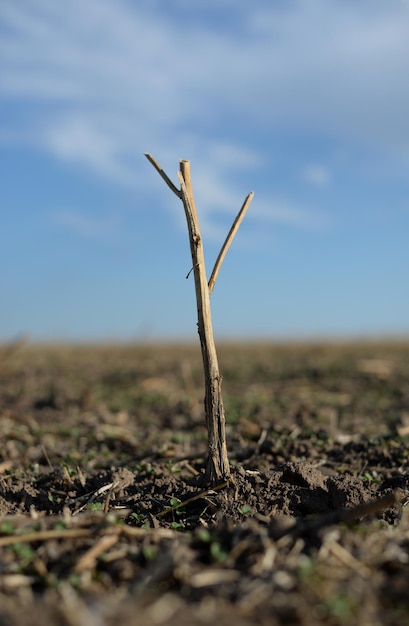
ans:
(317, 175)
(282, 212)
(101, 227)
(232, 156)
(84, 141)
(108, 80)
(124, 59)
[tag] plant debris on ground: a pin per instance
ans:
(104, 520)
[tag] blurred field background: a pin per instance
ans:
(79, 402)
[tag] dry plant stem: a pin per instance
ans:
(217, 469)
(218, 464)
(229, 239)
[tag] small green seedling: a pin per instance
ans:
(246, 510)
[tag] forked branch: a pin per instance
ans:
(217, 469)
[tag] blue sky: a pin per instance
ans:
(304, 102)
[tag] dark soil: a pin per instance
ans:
(102, 521)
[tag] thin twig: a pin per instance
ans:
(344, 516)
(45, 535)
(348, 559)
(84, 533)
(162, 173)
(229, 239)
(134, 531)
(197, 496)
(88, 560)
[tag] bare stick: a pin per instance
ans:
(229, 239)
(162, 173)
(217, 469)
(218, 464)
